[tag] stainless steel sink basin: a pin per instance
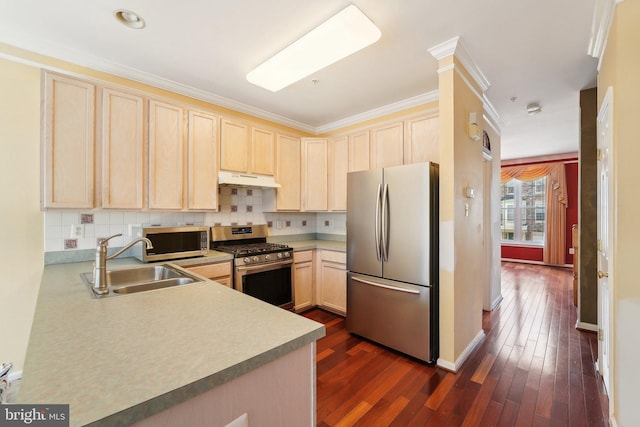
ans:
(141, 279)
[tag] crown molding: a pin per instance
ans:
(492, 114)
(456, 47)
(48, 50)
(379, 112)
(602, 17)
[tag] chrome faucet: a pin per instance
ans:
(100, 285)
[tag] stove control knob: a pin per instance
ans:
(280, 255)
(267, 257)
(247, 260)
(287, 254)
(256, 259)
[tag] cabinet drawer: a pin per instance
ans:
(302, 256)
(212, 271)
(340, 257)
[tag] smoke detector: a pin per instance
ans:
(533, 109)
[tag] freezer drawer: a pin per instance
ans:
(394, 314)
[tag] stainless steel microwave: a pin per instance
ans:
(172, 242)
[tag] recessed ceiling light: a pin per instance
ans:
(129, 18)
(338, 37)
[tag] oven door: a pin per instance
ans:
(271, 283)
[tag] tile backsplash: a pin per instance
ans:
(80, 229)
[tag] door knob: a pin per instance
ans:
(602, 274)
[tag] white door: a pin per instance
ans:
(605, 255)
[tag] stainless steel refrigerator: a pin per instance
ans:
(392, 258)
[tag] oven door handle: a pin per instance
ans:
(264, 267)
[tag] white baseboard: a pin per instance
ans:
(496, 302)
(455, 366)
(583, 326)
(526, 261)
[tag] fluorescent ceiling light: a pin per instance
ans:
(340, 36)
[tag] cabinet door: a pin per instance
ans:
(263, 150)
(288, 173)
(122, 150)
(338, 168)
(219, 272)
(422, 141)
(314, 174)
(202, 169)
(303, 280)
(69, 141)
(234, 146)
(387, 146)
(359, 151)
(166, 156)
(333, 282)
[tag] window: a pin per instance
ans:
(523, 211)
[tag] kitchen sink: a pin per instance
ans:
(141, 279)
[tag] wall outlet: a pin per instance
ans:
(77, 231)
(130, 229)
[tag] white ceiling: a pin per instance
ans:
(533, 50)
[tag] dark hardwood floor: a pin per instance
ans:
(533, 368)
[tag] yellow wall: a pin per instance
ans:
(21, 222)
(620, 70)
(461, 263)
(90, 74)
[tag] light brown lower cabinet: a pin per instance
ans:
(332, 282)
(219, 272)
(303, 280)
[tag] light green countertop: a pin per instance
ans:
(329, 245)
(121, 359)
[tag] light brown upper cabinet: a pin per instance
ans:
(288, 173)
(122, 150)
(244, 148)
(338, 168)
(166, 156)
(314, 174)
(263, 152)
(359, 151)
(421, 138)
(202, 161)
(234, 146)
(387, 145)
(68, 143)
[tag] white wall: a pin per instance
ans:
(21, 223)
(237, 206)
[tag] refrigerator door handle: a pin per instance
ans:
(380, 285)
(377, 223)
(385, 223)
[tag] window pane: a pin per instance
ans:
(507, 212)
(523, 213)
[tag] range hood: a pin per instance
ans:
(246, 180)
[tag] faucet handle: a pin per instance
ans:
(103, 242)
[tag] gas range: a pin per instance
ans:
(261, 269)
(248, 244)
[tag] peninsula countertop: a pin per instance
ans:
(120, 359)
